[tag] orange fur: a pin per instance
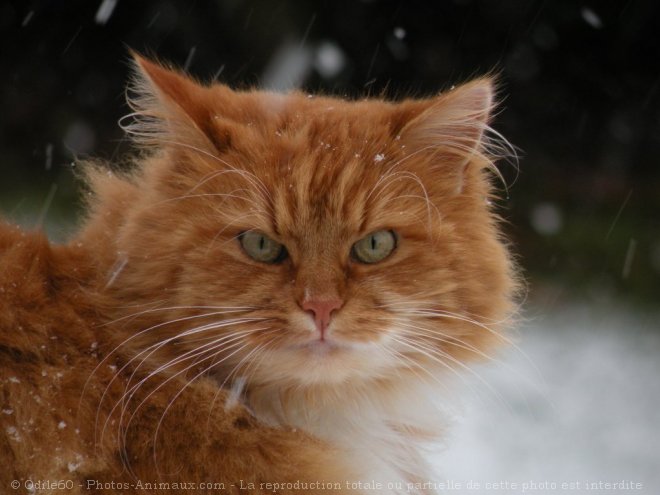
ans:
(108, 370)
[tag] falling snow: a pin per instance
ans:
(153, 19)
(630, 256)
(288, 67)
(117, 268)
(379, 157)
(618, 214)
(329, 59)
(73, 466)
(189, 58)
(546, 218)
(13, 433)
(27, 18)
(218, 72)
(49, 156)
(72, 40)
(80, 138)
(105, 11)
(61, 425)
(591, 18)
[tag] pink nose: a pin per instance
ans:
(322, 310)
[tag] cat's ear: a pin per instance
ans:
(169, 106)
(451, 129)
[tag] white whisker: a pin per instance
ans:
(154, 348)
(439, 357)
(131, 393)
(203, 372)
(123, 343)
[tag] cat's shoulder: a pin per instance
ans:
(42, 287)
(19, 246)
(28, 259)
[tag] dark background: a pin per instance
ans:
(580, 88)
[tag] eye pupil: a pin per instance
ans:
(374, 247)
(262, 248)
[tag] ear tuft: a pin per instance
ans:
(453, 129)
(454, 121)
(169, 106)
(168, 84)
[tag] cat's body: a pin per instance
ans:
(53, 412)
(220, 317)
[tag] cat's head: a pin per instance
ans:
(309, 239)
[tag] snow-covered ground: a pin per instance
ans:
(578, 402)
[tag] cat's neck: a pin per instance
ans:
(388, 422)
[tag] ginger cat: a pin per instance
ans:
(265, 302)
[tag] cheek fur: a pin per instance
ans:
(407, 312)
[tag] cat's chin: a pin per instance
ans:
(317, 362)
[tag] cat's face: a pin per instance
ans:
(326, 241)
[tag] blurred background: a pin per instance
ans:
(580, 99)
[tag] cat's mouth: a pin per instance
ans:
(322, 347)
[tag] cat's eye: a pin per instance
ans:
(374, 247)
(262, 248)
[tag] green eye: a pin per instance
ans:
(375, 247)
(262, 248)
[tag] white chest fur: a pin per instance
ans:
(383, 429)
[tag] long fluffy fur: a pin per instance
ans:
(151, 347)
